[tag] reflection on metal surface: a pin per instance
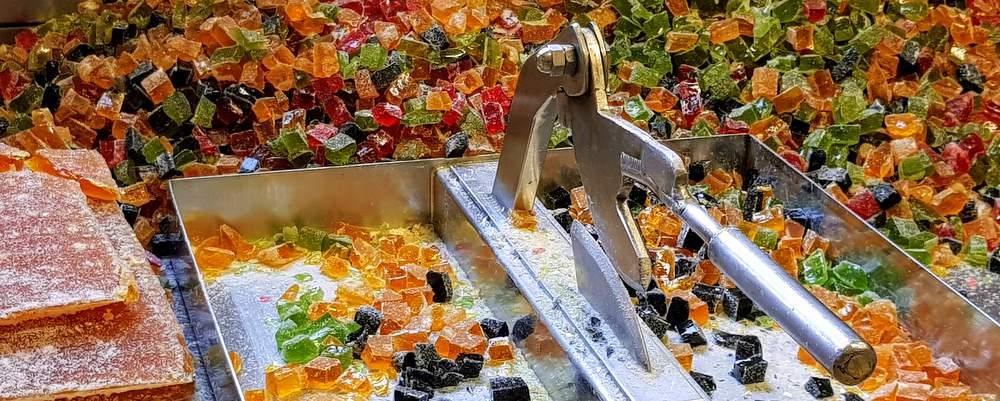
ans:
(599, 283)
(26, 12)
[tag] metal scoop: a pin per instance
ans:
(566, 79)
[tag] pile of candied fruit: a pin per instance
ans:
(891, 105)
(393, 316)
(688, 289)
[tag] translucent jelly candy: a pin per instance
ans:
(378, 352)
(321, 373)
(500, 350)
(683, 353)
(157, 86)
(284, 382)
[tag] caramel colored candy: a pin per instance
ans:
(500, 350)
(255, 395)
(285, 381)
(523, 219)
(679, 42)
(765, 83)
(335, 268)
(723, 31)
(321, 373)
(683, 353)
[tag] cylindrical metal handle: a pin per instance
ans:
(828, 339)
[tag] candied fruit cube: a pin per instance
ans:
(500, 350)
(284, 382)
(378, 352)
(321, 373)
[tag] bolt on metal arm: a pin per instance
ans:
(608, 149)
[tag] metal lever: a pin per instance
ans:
(608, 149)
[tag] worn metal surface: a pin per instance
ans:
(599, 283)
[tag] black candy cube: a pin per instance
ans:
(748, 347)
(494, 328)
(698, 169)
(449, 379)
(426, 356)
(131, 213)
(736, 304)
(886, 195)
(754, 202)
(749, 371)
(678, 312)
(469, 365)
(704, 381)
(708, 293)
(456, 145)
(970, 78)
(968, 212)
(994, 263)
(817, 159)
(436, 37)
(852, 397)
(691, 334)
(563, 218)
(440, 283)
(726, 339)
(523, 328)
(819, 387)
(420, 379)
(690, 240)
(657, 324)
(826, 176)
(683, 265)
(446, 365)
(657, 299)
(409, 394)
(369, 318)
(509, 389)
(558, 198)
(404, 359)
(166, 244)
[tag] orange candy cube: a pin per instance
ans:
(500, 350)
(285, 381)
(378, 352)
(683, 353)
(322, 372)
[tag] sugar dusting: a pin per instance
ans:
(110, 350)
(243, 303)
(48, 272)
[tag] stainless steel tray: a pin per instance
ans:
(454, 196)
(23, 14)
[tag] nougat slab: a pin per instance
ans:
(124, 352)
(84, 166)
(55, 257)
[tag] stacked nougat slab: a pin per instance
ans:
(82, 314)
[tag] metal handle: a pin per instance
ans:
(828, 339)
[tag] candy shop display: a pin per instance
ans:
(375, 313)
(891, 101)
(690, 294)
(99, 324)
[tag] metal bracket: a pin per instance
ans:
(608, 149)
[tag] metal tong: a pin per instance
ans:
(566, 79)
